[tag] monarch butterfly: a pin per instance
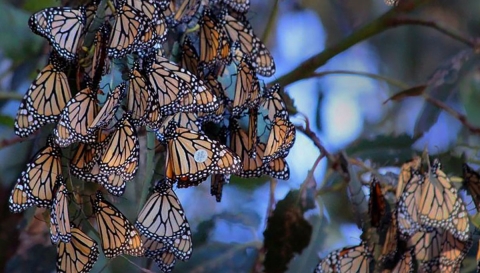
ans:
(405, 264)
(247, 88)
(179, 12)
(273, 103)
(85, 164)
(45, 99)
(185, 120)
(390, 244)
(59, 217)
(196, 97)
(472, 183)
(189, 56)
(108, 110)
(406, 173)
(224, 54)
(280, 139)
(162, 217)
(237, 5)
(252, 131)
(36, 184)
(348, 259)
(218, 91)
(154, 32)
(440, 206)
(377, 205)
(139, 98)
(407, 207)
(277, 168)
(453, 250)
(79, 255)
(216, 185)
(63, 27)
(99, 64)
(121, 154)
(426, 245)
(76, 118)
(118, 234)
(209, 37)
(251, 166)
(160, 252)
(191, 157)
(239, 30)
(127, 30)
(179, 90)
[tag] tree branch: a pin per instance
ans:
(462, 118)
(437, 26)
(390, 81)
(382, 23)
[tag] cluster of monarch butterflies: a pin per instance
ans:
(428, 230)
(212, 80)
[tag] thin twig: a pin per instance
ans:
(311, 134)
(388, 80)
(12, 141)
(5, 95)
(431, 24)
(271, 22)
(462, 118)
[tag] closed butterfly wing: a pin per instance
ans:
(407, 207)
(251, 166)
(109, 108)
(77, 256)
(118, 234)
(472, 183)
(121, 154)
(139, 98)
(247, 88)
(405, 264)
(191, 157)
(377, 205)
(348, 259)
(273, 103)
(48, 94)
(453, 250)
(76, 119)
(281, 138)
(59, 217)
(63, 27)
(440, 206)
(37, 182)
(209, 37)
(406, 173)
(189, 56)
(239, 30)
(162, 217)
(127, 30)
(427, 246)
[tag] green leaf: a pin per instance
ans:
(383, 149)
(443, 85)
(7, 121)
(21, 43)
(470, 96)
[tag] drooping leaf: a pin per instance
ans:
(443, 85)
(383, 149)
(410, 92)
(287, 233)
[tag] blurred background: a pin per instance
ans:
(344, 106)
